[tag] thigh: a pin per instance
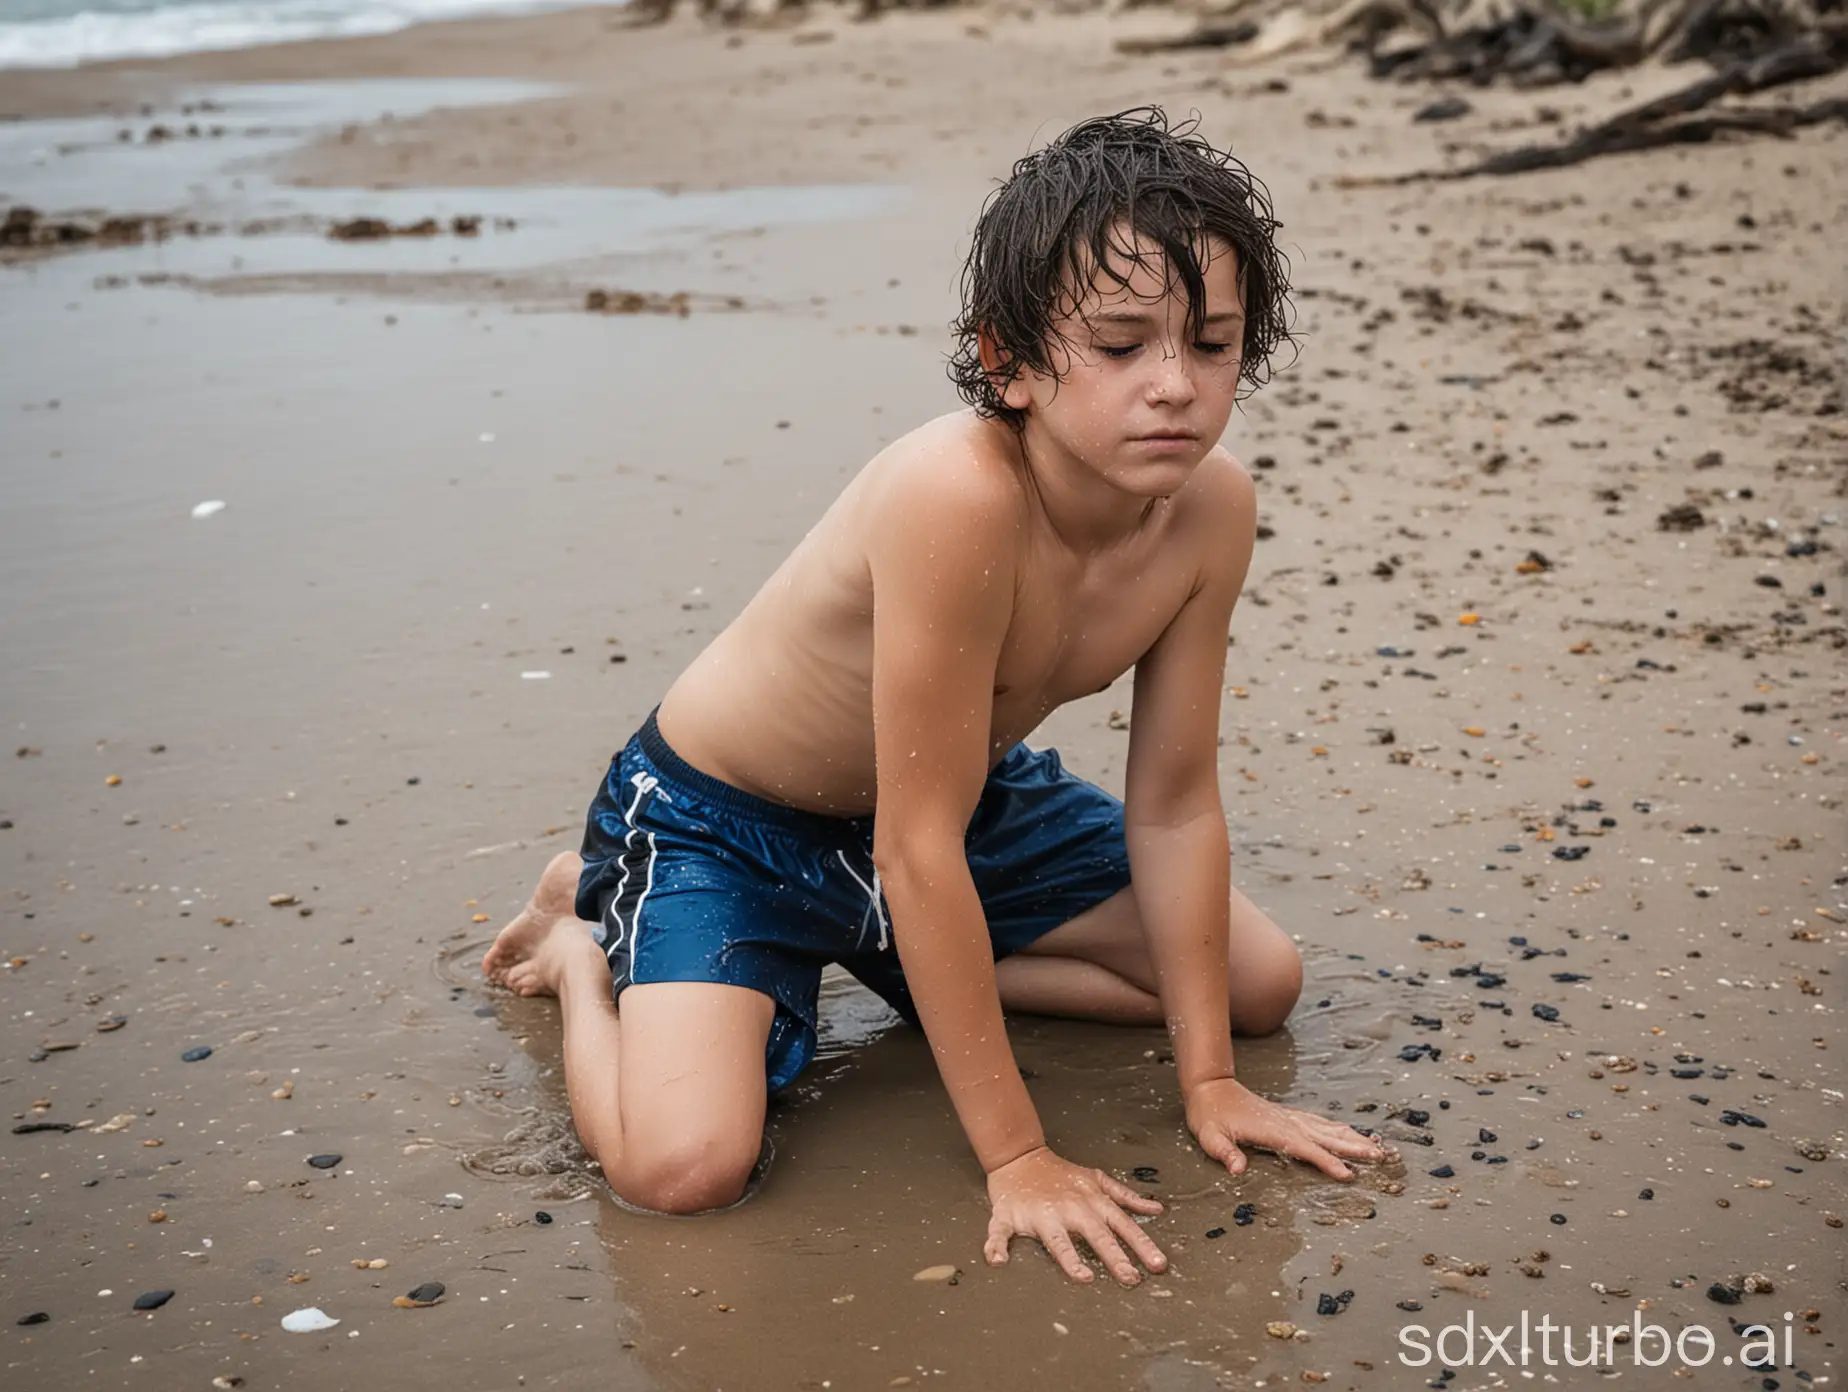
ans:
(691, 1070)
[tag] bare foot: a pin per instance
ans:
(532, 953)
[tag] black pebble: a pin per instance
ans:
(413, 782)
(542, 1217)
(1486, 1136)
(1415, 1117)
(1571, 852)
(1722, 1294)
(1549, 1013)
(1646, 1194)
(1558, 1220)
(1411, 1306)
(1215, 1232)
(1245, 1214)
(36, 1317)
(1411, 1053)
(152, 1300)
(1326, 1304)
(325, 1162)
(31, 1128)
(1145, 1174)
(429, 1291)
(1732, 1118)
(197, 1053)
(1444, 1172)
(1443, 109)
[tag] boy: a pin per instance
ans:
(992, 565)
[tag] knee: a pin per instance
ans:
(691, 1175)
(1266, 987)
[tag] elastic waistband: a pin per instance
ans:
(716, 791)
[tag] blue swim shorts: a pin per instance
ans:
(690, 879)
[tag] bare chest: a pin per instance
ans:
(1073, 635)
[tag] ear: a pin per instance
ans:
(1014, 391)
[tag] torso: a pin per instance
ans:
(780, 703)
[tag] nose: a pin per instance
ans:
(1171, 378)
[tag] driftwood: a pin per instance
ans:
(1673, 119)
(1216, 35)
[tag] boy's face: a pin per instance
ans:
(1143, 394)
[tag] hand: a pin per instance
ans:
(1224, 1112)
(1041, 1196)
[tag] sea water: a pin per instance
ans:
(64, 33)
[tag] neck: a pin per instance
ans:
(1085, 510)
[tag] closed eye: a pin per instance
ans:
(1111, 351)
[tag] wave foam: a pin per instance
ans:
(94, 35)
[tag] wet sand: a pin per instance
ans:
(441, 474)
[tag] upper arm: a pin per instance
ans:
(943, 537)
(1173, 770)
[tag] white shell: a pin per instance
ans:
(207, 508)
(308, 1321)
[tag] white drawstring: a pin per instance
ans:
(874, 904)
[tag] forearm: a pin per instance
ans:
(943, 944)
(1182, 882)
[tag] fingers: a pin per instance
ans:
(1138, 1241)
(1124, 1195)
(1306, 1149)
(1059, 1247)
(1345, 1140)
(1000, 1233)
(1102, 1241)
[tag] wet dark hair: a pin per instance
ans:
(1059, 221)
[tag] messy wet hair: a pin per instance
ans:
(1112, 194)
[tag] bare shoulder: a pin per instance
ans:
(950, 479)
(1217, 516)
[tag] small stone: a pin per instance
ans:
(325, 1162)
(226, 1381)
(1245, 1214)
(36, 1317)
(152, 1300)
(1757, 1283)
(1280, 1329)
(281, 901)
(1326, 1304)
(1558, 1220)
(197, 1054)
(1145, 1174)
(112, 1024)
(1723, 1294)
(945, 1273)
(422, 1297)
(159, 1215)
(542, 1217)
(1812, 1150)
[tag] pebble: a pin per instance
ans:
(945, 1273)
(325, 1162)
(542, 1217)
(1145, 1174)
(422, 1297)
(152, 1300)
(36, 1317)
(308, 1321)
(1245, 1214)
(110, 1025)
(197, 1054)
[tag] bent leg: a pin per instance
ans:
(1098, 967)
(669, 1096)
